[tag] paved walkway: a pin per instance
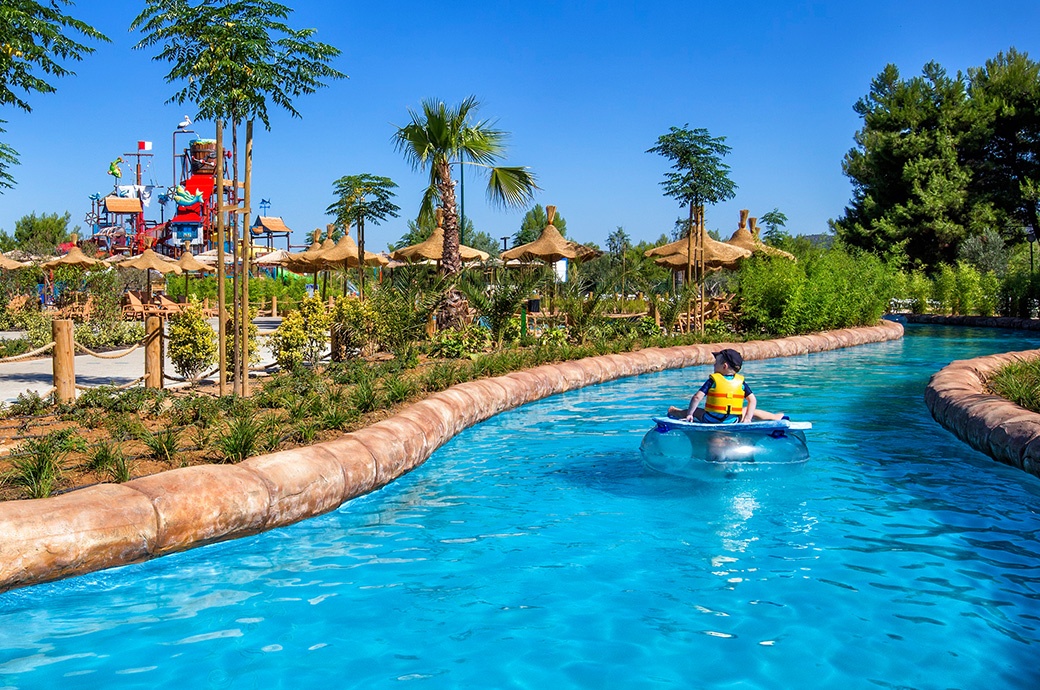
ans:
(37, 374)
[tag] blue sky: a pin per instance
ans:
(584, 88)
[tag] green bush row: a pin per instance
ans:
(963, 289)
(831, 289)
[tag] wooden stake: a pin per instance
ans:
(63, 361)
(248, 249)
(221, 297)
(153, 353)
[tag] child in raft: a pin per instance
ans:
(726, 392)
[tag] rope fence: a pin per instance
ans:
(87, 351)
(120, 387)
(27, 355)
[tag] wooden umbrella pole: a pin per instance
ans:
(221, 296)
(689, 266)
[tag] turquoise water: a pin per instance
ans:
(534, 551)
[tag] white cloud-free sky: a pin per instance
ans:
(584, 88)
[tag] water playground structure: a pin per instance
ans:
(117, 220)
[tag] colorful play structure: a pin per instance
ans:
(118, 221)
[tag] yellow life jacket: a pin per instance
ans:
(726, 396)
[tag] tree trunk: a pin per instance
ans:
(451, 261)
(455, 309)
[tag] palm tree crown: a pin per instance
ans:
(440, 136)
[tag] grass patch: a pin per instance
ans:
(1019, 383)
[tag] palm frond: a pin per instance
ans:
(511, 186)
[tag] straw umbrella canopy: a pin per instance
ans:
(345, 254)
(716, 254)
(679, 261)
(279, 257)
(433, 248)
(149, 261)
(585, 253)
(9, 264)
(550, 245)
(745, 239)
(189, 264)
(74, 257)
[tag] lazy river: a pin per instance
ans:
(534, 551)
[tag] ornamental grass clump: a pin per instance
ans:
(36, 465)
(162, 444)
(1019, 382)
(192, 344)
(240, 440)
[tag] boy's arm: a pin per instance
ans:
(694, 401)
(749, 410)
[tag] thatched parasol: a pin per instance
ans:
(432, 248)
(9, 264)
(746, 239)
(585, 253)
(75, 257)
(550, 245)
(189, 264)
(678, 263)
(278, 257)
(345, 253)
(149, 261)
(716, 254)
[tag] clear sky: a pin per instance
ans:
(584, 88)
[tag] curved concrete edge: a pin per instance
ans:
(110, 525)
(958, 399)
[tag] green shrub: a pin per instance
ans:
(829, 289)
(95, 334)
(37, 326)
(192, 344)
(455, 343)
(967, 288)
(353, 327)
(944, 288)
(288, 341)
(989, 294)
(919, 292)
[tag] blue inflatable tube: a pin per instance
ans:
(691, 448)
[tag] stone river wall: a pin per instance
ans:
(108, 525)
(959, 400)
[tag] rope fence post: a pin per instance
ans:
(63, 361)
(274, 306)
(153, 353)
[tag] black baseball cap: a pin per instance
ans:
(731, 356)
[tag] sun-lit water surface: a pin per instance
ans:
(534, 551)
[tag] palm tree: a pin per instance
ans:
(233, 56)
(360, 198)
(440, 137)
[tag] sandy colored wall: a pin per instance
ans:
(114, 524)
(958, 400)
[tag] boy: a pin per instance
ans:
(726, 393)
